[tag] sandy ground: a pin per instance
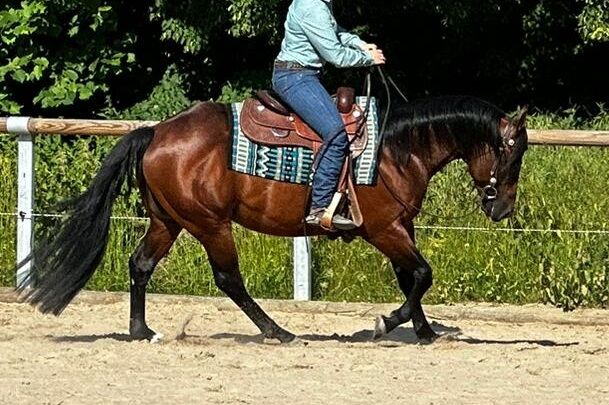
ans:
(488, 354)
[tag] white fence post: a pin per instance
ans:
(302, 268)
(25, 193)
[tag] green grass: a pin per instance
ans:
(8, 198)
(560, 188)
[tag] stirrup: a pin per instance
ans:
(327, 219)
(342, 223)
(315, 218)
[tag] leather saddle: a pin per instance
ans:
(265, 119)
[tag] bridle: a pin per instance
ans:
(489, 191)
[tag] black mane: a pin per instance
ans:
(467, 123)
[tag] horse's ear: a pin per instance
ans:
(521, 117)
(503, 124)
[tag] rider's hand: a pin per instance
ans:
(377, 56)
(374, 52)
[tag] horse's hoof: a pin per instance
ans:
(380, 329)
(143, 332)
(280, 334)
(427, 336)
(286, 337)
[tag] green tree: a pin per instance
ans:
(88, 57)
(594, 21)
(55, 53)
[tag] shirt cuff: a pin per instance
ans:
(358, 43)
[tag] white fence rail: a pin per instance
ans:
(26, 127)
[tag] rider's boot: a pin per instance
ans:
(338, 221)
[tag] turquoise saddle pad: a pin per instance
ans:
(295, 164)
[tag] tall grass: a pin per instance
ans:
(8, 203)
(561, 188)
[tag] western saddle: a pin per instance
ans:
(266, 120)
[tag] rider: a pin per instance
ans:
(312, 37)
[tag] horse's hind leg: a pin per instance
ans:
(153, 247)
(222, 254)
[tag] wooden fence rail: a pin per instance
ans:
(568, 137)
(117, 127)
(79, 127)
(26, 127)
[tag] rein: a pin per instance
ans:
(386, 80)
(489, 191)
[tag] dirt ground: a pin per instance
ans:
(487, 355)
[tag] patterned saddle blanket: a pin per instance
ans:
(294, 164)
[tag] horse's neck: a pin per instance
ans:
(408, 184)
(435, 159)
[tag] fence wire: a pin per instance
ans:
(422, 227)
(17, 215)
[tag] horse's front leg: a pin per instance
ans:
(414, 277)
(414, 280)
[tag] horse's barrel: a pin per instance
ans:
(345, 97)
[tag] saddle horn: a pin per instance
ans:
(345, 97)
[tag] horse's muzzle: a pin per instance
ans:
(500, 211)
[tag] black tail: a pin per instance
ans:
(63, 262)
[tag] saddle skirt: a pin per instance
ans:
(281, 147)
(262, 123)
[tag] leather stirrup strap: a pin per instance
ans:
(326, 219)
(347, 188)
(345, 174)
(356, 213)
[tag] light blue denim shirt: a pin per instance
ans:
(312, 37)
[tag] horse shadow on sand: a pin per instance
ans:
(398, 337)
(119, 337)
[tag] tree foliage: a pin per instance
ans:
(594, 21)
(59, 53)
(88, 57)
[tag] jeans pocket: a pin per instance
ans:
(280, 80)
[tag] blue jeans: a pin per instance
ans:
(302, 90)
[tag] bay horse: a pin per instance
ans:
(181, 166)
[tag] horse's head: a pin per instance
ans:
(496, 173)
